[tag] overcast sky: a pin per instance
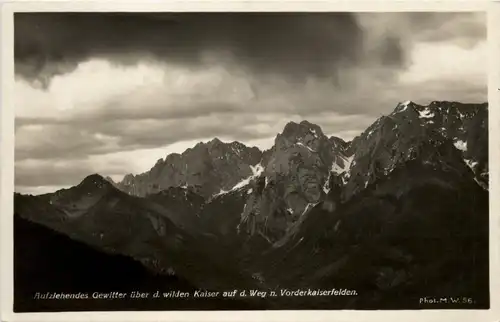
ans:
(112, 93)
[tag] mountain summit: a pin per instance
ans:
(394, 139)
(94, 181)
(208, 167)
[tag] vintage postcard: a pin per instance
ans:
(196, 162)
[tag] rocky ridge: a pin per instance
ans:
(207, 167)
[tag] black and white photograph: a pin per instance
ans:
(216, 161)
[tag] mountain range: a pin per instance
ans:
(398, 213)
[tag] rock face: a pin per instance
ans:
(208, 167)
(404, 229)
(296, 176)
(305, 167)
(396, 138)
(181, 204)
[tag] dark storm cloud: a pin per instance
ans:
(291, 44)
(294, 44)
(391, 52)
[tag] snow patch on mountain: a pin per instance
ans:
(338, 170)
(426, 113)
(461, 145)
(472, 164)
(257, 169)
(307, 208)
(302, 144)
(326, 185)
(336, 226)
(256, 172)
(264, 236)
(403, 106)
(348, 164)
(309, 205)
(482, 185)
(221, 192)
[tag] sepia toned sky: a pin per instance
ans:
(112, 93)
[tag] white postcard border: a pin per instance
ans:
(7, 159)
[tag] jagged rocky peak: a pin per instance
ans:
(210, 166)
(174, 156)
(301, 145)
(298, 173)
(215, 142)
(239, 147)
(338, 143)
(94, 181)
(393, 139)
(159, 162)
(441, 108)
(128, 178)
(110, 180)
(304, 134)
(218, 149)
(424, 113)
(403, 106)
(296, 131)
(412, 119)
